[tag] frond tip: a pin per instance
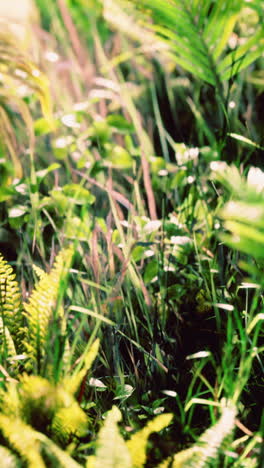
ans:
(206, 450)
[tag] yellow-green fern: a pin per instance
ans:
(7, 346)
(46, 407)
(20, 438)
(206, 450)
(34, 449)
(43, 309)
(10, 305)
(137, 445)
(8, 459)
(111, 451)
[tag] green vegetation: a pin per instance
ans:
(131, 231)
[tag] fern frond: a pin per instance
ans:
(9, 400)
(72, 382)
(39, 272)
(205, 452)
(52, 453)
(10, 306)
(8, 459)
(68, 423)
(34, 448)
(21, 438)
(7, 346)
(44, 406)
(38, 401)
(43, 309)
(111, 451)
(137, 445)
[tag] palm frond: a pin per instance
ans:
(196, 34)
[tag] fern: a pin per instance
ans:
(46, 413)
(137, 445)
(33, 448)
(11, 323)
(44, 407)
(206, 450)
(43, 309)
(111, 451)
(20, 438)
(8, 459)
(7, 347)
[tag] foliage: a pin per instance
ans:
(197, 34)
(19, 78)
(165, 267)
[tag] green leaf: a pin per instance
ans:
(151, 271)
(78, 194)
(119, 123)
(119, 157)
(43, 126)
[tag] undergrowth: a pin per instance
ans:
(131, 215)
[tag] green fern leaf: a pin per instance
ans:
(10, 306)
(44, 406)
(54, 455)
(68, 423)
(111, 451)
(39, 272)
(9, 400)
(50, 408)
(137, 445)
(7, 346)
(20, 438)
(38, 401)
(32, 446)
(205, 452)
(43, 309)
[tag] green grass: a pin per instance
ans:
(147, 170)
